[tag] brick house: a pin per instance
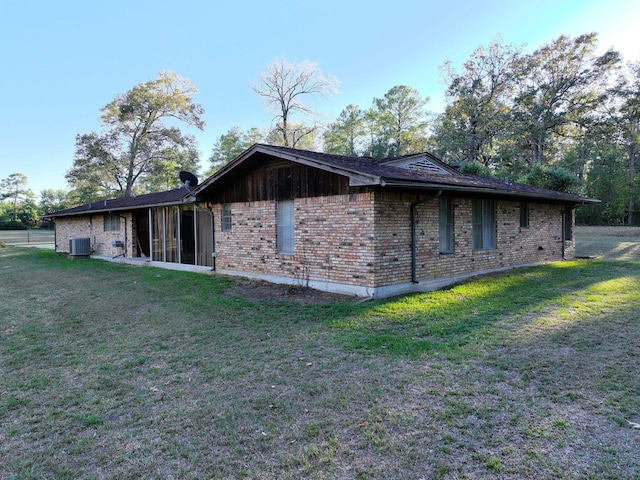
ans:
(166, 227)
(356, 225)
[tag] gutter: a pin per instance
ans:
(129, 208)
(565, 198)
(414, 239)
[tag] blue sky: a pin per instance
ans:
(61, 61)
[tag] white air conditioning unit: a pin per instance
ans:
(79, 247)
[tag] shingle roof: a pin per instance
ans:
(386, 172)
(169, 197)
(361, 171)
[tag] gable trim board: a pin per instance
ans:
(361, 226)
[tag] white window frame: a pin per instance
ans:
(285, 233)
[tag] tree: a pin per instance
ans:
(165, 174)
(252, 136)
(624, 117)
(28, 214)
(474, 124)
(135, 142)
(555, 178)
(286, 89)
(560, 86)
(401, 122)
(605, 178)
(345, 136)
(53, 200)
(14, 188)
(302, 135)
(232, 144)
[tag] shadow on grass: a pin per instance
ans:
(594, 357)
(468, 313)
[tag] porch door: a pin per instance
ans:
(187, 237)
(142, 234)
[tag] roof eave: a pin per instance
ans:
(120, 209)
(482, 190)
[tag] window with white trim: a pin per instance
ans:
(484, 228)
(445, 220)
(285, 230)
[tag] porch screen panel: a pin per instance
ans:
(204, 232)
(157, 238)
(172, 234)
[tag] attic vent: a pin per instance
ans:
(426, 166)
(79, 247)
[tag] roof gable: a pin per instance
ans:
(424, 163)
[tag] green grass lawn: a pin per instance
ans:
(112, 371)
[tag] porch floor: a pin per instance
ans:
(141, 261)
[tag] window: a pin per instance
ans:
(445, 219)
(226, 217)
(284, 234)
(567, 223)
(524, 215)
(483, 218)
(111, 223)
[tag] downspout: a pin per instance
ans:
(562, 226)
(414, 239)
(213, 241)
(150, 223)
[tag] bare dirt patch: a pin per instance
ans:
(257, 291)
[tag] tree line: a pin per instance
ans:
(561, 117)
(19, 208)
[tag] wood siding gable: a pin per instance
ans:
(276, 179)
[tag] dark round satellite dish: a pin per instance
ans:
(188, 177)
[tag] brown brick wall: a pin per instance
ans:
(357, 239)
(365, 239)
(333, 240)
(540, 242)
(93, 228)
